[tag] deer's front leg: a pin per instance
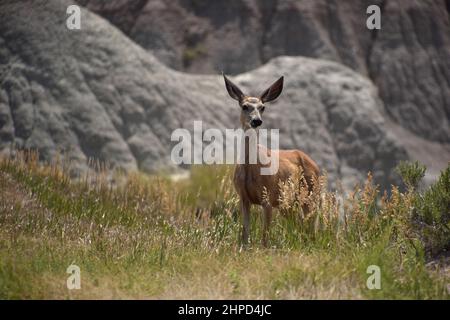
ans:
(245, 209)
(267, 219)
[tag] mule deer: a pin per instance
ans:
(250, 184)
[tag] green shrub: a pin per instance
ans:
(411, 173)
(432, 214)
(192, 53)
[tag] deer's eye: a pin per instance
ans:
(262, 109)
(245, 107)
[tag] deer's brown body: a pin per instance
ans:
(254, 188)
(249, 182)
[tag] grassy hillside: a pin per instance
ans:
(137, 236)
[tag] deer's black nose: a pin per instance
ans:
(256, 123)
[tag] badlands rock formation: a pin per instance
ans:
(408, 59)
(98, 93)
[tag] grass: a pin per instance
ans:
(147, 237)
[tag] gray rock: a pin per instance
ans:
(408, 59)
(96, 93)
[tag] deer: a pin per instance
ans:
(252, 187)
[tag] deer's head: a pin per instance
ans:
(252, 108)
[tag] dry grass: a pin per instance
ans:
(147, 237)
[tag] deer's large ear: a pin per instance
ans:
(233, 90)
(273, 91)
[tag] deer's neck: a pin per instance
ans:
(251, 150)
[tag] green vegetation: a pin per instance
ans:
(411, 173)
(192, 53)
(150, 237)
(431, 215)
